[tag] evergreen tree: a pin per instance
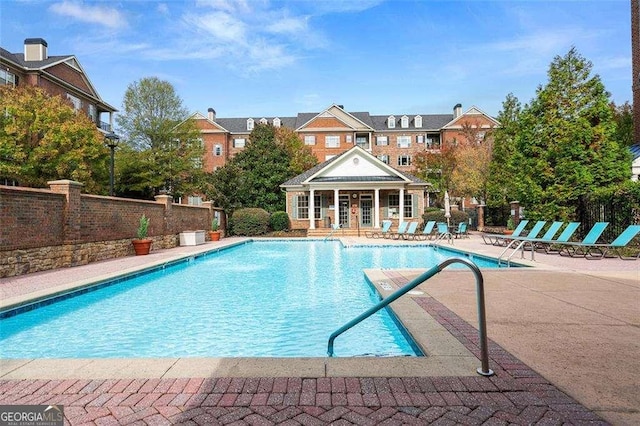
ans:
(566, 143)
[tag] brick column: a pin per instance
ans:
(167, 201)
(73, 208)
(515, 212)
(480, 209)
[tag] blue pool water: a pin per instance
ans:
(265, 298)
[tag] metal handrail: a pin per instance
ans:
(334, 229)
(448, 235)
(484, 370)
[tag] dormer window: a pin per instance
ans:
(263, 120)
(417, 121)
(391, 122)
(250, 124)
(404, 122)
(276, 122)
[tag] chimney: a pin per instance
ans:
(35, 49)
(457, 110)
(211, 114)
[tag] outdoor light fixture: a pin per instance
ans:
(111, 140)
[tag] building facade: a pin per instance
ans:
(394, 139)
(57, 75)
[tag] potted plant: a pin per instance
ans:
(214, 234)
(510, 226)
(142, 244)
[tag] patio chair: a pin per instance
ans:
(574, 249)
(548, 245)
(493, 238)
(409, 233)
(427, 231)
(402, 227)
(504, 240)
(386, 225)
(600, 251)
(461, 232)
(530, 242)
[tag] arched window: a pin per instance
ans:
(391, 122)
(250, 124)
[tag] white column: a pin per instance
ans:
(336, 203)
(312, 209)
(376, 208)
(401, 212)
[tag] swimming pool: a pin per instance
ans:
(260, 299)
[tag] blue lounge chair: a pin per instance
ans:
(498, 239)
(506, 240)
(427, 232)
(548, 236)
(564, 237)
(461, 232)
(600, 251)
(409, 233)
(402, 228)
(574, 249)
(386, 225)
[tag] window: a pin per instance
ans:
(349, 139)
(404, 141)
(7, 77)
(419, 138)
(195, 201)
(433, 141)
(404, 160)
(404, 122)
(93, 113)
(384, 158)
(362, 142)
(332, 141)
(417, 121)
(77, 103)
(382, 140)
(263, 120)
(303, 206)
(276, 122)
(238, 143)
(197, 163)
(250, 124)
(391, 122)
(217, 150)
(394, 204)
(310, 140)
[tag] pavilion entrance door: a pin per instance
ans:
(344, 211)
(366, 205)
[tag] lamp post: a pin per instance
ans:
(112, 140)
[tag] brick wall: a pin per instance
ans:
(60, 227)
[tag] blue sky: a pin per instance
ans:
(278, 58)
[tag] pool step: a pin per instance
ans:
(346, 232)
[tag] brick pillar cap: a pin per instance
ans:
(64, 182)
(163, 197)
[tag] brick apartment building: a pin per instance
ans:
(394, 139)
(57, 75)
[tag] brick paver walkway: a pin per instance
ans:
(515, 395)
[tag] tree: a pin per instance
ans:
(473, 152)
(167, 142)
(437, 168)
(43, 138)
(253, 177)
(500, 189)
(566, 143)
(623, 116)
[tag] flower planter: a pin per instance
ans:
(141, 247)
(191, 238)
(214, 235)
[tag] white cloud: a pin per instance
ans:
(105, 16)
(163, 9)
(219, 25)
(288, 25)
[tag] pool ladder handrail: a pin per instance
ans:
(334, 228)
(484, 370)
(520, 246)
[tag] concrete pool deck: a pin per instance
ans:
(565, 339)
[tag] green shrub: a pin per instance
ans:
(457, 216)
(250, 222)
(279, 221)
